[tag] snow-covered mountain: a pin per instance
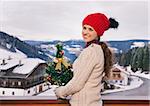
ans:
(46, 50)
(137, 44)
(120, 46)
(73, 48)
(125, 45)
(70, 51)
(13, 44)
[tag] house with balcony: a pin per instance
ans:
(119, 75)
(22, 77)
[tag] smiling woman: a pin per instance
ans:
(50, 20)
(94, 63)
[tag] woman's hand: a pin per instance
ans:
(58, 93)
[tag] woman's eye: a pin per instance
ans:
(90, 29)
(84, 27)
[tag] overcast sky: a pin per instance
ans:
(62, 19)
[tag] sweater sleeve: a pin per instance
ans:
(83, 67)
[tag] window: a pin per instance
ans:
(13, 83)
(19, 83)
(119, 75)
(13, 93)
(4, 82)
(3, 92)
(28, 91)
(41, 78)
(114, 75)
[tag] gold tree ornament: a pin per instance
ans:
(60, 62)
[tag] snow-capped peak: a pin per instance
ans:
(137, 44)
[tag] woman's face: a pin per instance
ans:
(88, 33)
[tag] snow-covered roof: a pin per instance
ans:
(121, 69)
(28, 65)
(9, 64)
(15, 57)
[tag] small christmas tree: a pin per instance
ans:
(59, 70)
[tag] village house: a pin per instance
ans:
(23, 77)
(119, 75)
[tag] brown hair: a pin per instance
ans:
(108, 56)
(108, 60)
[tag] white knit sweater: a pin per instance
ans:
(85, 85)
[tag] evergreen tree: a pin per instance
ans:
(137, 57)
(122, 60)
(146, 59)
(134, 60)
(127, 58)
(140, 57)
(59, 71)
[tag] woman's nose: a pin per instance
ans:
(85, 31)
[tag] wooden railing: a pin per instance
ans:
(66, 103)
(54, 102)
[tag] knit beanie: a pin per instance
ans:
(98, 21)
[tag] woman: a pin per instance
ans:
(92, 63)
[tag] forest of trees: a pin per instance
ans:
(137, 57)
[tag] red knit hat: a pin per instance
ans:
(98, 21)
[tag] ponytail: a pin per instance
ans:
(108, 56)
(108, 61)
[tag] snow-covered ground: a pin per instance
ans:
(135, 83)
(49, 92)
(138, 73)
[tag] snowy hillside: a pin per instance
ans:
(11, 43)
(73, 49)
(49, 48)
(5, 54)
(138, 73)
(114, 50)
